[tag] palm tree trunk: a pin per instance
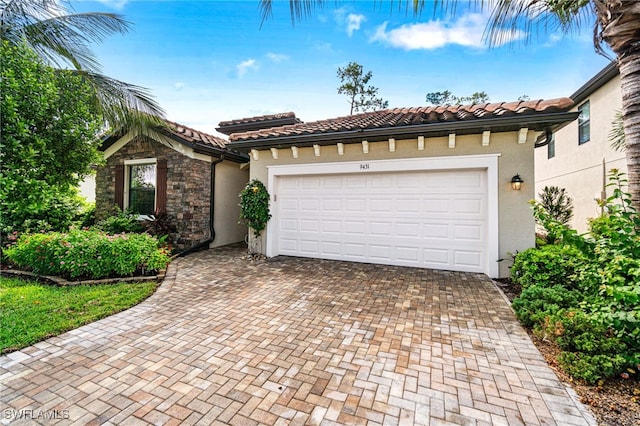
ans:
(629, 65)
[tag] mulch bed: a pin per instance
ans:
(615, 402)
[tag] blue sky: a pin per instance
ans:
(209, 61)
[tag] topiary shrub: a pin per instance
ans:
(254, 206)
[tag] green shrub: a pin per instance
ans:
(590, 368)
(90, 254)
(599, 333)
(120, 221)
(590, 350)
(536, 303)
(548, 266)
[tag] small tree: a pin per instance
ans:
(49, 121)
(355, 82)
(557, 203)
(447, 98)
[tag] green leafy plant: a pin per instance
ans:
(120, 221)
(92, 254)
(160, 225)
(583, 291)
(254, 206)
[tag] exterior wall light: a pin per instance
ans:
(516, 182)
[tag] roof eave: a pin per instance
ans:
(499, 124)
(596, 82)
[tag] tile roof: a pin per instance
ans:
(259, 118)
(195, 136)
(251, 124)
(400, 117)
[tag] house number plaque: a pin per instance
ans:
(364, 166)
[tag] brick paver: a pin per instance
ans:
(226, 340)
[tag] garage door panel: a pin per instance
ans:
(331, 226)
(436, 257)
(467, 207)
(355, 182)
(408, 230)
(332, 204)
(356, 205)
(309, 204)
(435, 230)
(381, 205)
(355, 228)
(467, 258)
(310, 247)
(331, 248)
(309, 225)
(468, 232)
(384, 229)
(409, 206)
(289, 225)
(427, 219)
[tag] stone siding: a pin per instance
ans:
(188, 188)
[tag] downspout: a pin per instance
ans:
(212, 199)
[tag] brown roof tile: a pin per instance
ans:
(257, 119)
(195, 136)
(399, 117)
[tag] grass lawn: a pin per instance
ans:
(31, 312)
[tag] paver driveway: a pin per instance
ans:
(295, 341)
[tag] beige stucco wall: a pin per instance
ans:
(579, 168)
(230, 180)
(516, 224)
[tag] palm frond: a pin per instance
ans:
(299, 9)
(124, 105)
(60, 38)
(616, 134)
(533, 18)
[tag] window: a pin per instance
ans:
(140, 186)
(551, 146)
(584, 132)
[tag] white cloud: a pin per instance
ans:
(466, 31)
(553, 40)
(115, 4)
(353, 23)
(277, 57)
(179, 85)
(244, 66)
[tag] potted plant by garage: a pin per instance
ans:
(254, 211)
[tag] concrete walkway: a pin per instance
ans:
(294, 341)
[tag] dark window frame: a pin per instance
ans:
(584, 123)
(131, 192)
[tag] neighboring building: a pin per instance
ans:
(578, 156)
(427, 187)
(174, 172)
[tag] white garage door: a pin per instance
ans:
(430, 219)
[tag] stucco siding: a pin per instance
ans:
(230, 180)
(516, 224)
(580, 169)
